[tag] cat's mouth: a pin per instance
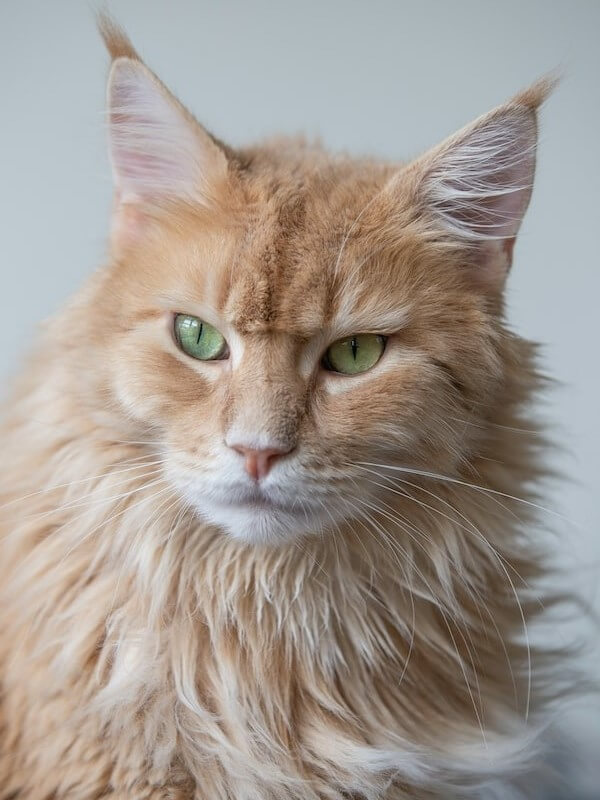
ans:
(258, 514)
(260, 501)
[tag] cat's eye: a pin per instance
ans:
(355, 354)
(198, 339)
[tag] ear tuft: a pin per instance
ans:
(536, 95)
(116, 40)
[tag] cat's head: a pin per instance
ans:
(280, 321)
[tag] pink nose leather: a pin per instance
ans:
(259, 462)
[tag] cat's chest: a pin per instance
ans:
(257, 676)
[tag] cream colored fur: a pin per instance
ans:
(364, 637)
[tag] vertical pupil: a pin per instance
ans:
(354, 346)
(199, 333)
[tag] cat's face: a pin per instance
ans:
(235, 274)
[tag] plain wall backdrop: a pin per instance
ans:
(379, 77)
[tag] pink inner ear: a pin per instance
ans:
(159, 152)
(479, 186)
(490, 215)
(149, 159)
(156, 151)
(135, 164)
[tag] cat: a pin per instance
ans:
(268, 479)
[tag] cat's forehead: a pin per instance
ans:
(300, 241)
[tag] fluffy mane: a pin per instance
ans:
(157, 642)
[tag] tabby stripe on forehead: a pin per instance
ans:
(279, 255)
(267, 267)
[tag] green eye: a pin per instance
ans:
(198, 339)
(355, 354)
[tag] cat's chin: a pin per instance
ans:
(258, 524)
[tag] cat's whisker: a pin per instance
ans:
(444, 616)
(88, 535)
(69, 523)
(396, 548)
(409, 526)
(485, 425)
(477, 712)
(299, 543)
(144, 442)
(185, 507)
(406, 587)
(90, 500)
(397, 521)
(478, 600)
(67, 485)
(466, 484)
(82, 503)
(158, 514)
(115, 516)
(369, 560)
(470, 644)
(474, 530)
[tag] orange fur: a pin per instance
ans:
(379, 650)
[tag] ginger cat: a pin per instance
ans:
(265, 486)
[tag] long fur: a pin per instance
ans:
(378, 647)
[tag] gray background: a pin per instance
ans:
(387, 78)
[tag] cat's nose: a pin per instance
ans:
(259, 462)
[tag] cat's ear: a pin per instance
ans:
(159, 152)
(476, 185)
